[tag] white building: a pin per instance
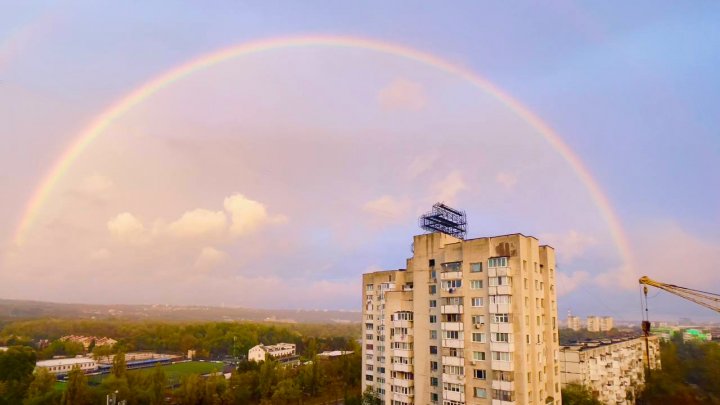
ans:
(613, 370)
(64, 366)
(277, 351)
(573, 322)
(599, 323)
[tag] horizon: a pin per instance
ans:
(265, 156)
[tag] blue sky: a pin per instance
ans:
(632, 88)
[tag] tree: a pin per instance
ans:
(268, 377)
(576, 394)
(370, 398)
(78, 392)
(42, 389)
(158, 381)
(16, 368)
(286, 391)
(119, 366)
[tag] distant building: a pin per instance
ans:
(599, 323)
(64, 366)
(613, 370)
(86, 341)
(573, 322)
(279, 351)
(333, 354)
(3, 348)
(695, 334)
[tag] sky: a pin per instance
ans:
(275, 178)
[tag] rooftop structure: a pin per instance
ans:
(278, 351)
(445, 220)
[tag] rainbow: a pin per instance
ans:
(106, 118)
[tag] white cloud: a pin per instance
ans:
(388, 207)
(421, 164)
(403, 94)
(569, 245)
(128, 229)
(507, 180)
(95, 185)
(568, 283)
(447, 189)
(199, 223)
(670, 254)
(248, 215)
(209, 258)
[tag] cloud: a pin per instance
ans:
(100, 255)
(670, 254)
(447, 189)
(388, 207)
(421, 164)
(248, 215)
(209, 258)
(568, 283)
(402, 94)
(507, 180)
(199, 223)
(95, 185)
(570, 245)
(128, 229)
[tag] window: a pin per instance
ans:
(500, 299)
(434, 396)
(502, 356)
(476, 267)
(501, 318)
(431, 262)
(433, 304)
(448, 284)
(452, 334)
(368, 287)
(477, 302)
(454, 370)
(497, 262)
(479, 374)
(453, 387)
(433, 366)
(499, 281)
(500, 337)
(504, 376)
(433, 350)
(476, 284)
(433, 318)
(503, 395)
(433, 334)
(480, 392)
(452, 266)
(478, 319)
(479, 356)
(434, 381)
(402, 316)
(478, 337)
(432, 289)
(368, 377)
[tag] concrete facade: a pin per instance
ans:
(613, 370)
(468, 322)
(600, 323)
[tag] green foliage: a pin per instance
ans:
(42, 389)
(16, 367)
(60, 348)
(689, 375)
(78, 392)
(119, 366)
(575, 394)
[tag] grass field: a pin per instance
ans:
(174, 372)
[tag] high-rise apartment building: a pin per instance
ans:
(599, 323)
(573, 322)
(467, 322)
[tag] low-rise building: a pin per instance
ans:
(613, 370)
(278, 351)
(64, 366)
(333, 354)
(86, 341)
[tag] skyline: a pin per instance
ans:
(226, 183)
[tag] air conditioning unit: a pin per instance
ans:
(451, 290)
(477, 326)
(473, 362)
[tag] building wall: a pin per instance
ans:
(573, 322)
(458, 312)
(614, 370)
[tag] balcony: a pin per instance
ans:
(498, 271)
(451, 309)
(402, 338)
(453, 396)
(451, 275)
(402, 397)
(402, 382)
(453, 343)
(503, 385)
(500, 290)
(406, 368)
(500, 308)
(402, 353)
(453, 378)
(502, 365)
(500, 402)
(402, 323)
(453, 361)
(452, 326)
(501, 327)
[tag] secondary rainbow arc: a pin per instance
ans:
(120, 107)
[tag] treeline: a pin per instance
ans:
(315, 381)
(211, 340)
(690, 374)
